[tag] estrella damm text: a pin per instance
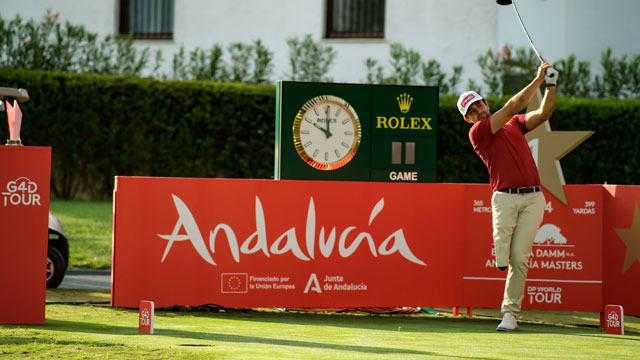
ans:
(412, 123)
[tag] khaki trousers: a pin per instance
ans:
(516, 219)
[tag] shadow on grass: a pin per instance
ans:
(75, 326)
(17, 340)
(385, 322)
(612, 337)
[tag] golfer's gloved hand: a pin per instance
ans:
(551, 76)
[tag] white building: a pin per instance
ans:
(454, 32)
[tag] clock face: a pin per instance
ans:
(326, 132)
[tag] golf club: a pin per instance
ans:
(507, 2)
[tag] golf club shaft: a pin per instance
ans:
(526, 32)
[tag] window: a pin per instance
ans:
(355, 18)
(147, 19)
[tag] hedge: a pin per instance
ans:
(611, 155)
(100, 126)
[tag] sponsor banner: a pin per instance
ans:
(265, 243)
(24, 206)
(483, 282)
(621, 242)
(538, 294)
(565, 267)
(478, 231)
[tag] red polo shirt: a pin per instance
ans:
(505, 153)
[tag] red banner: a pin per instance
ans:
(565, 268)
(24, 207)
(621, 239)
(264, 243)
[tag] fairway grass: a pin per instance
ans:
(88, 226)
(99, 331)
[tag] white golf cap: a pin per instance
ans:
(466, 99)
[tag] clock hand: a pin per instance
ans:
(323, 130)
(328, 120)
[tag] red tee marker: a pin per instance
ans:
(614, 319)
(145, 317)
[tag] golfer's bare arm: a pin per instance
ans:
(519, 101)
(543, 113)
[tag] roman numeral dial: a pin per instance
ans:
(327, 132)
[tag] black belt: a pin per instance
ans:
(521, 190)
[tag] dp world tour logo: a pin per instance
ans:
(21, 191)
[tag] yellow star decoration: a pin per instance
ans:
(548, 147)
(631, 238)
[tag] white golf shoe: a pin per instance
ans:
(508, 323)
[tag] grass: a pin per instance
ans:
(90, 331)
(88, 226)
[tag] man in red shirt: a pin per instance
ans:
(517, 203)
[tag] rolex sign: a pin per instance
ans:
(328, 131)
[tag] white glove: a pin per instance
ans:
(551, 76)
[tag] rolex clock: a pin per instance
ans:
(326, 132)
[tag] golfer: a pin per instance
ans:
(517, 204)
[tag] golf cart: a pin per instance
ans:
(57, 253)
